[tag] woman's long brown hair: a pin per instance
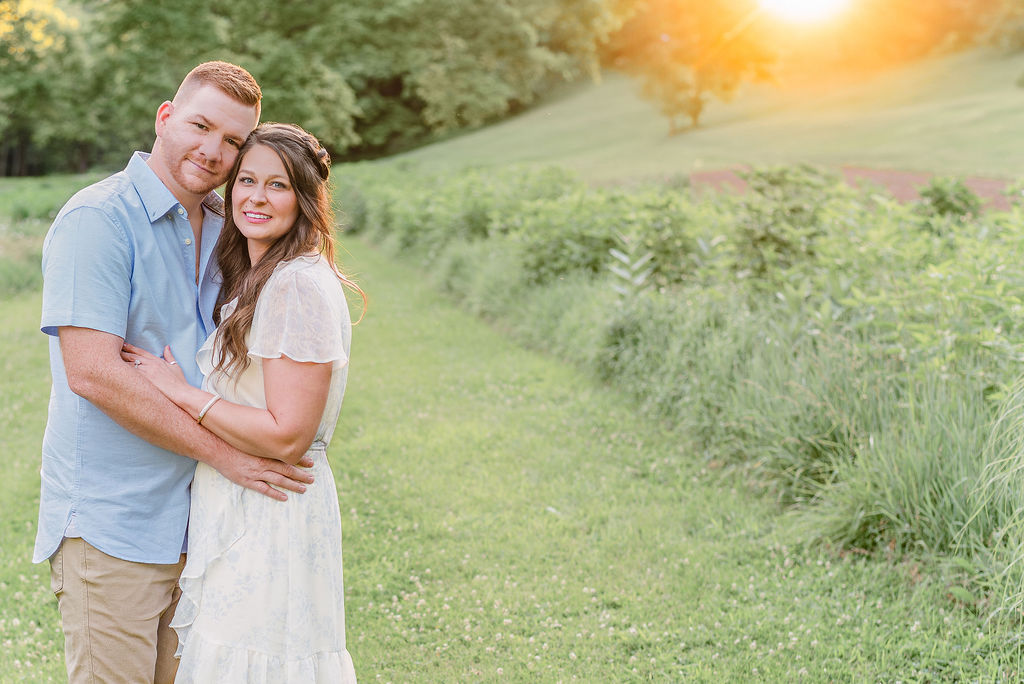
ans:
(308, 166)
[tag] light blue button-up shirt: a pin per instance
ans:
(120, 258)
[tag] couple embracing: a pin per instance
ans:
(184, 328)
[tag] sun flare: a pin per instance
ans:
(804, 10)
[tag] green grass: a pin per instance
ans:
(40, 198)
(27, 206)
(29, 629)
(507, 519)
(959, 114)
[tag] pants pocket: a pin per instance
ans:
(57, 570)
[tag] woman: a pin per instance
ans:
(262, 595)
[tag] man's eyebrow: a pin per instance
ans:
(209, 124)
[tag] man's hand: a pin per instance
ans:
(258, 474)
(96, 372)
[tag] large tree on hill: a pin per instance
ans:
(687, 51)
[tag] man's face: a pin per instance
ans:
(199, 137)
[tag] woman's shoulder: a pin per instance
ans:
(310, 264)
(305, 272)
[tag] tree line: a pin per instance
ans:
(80, 79)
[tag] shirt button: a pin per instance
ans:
(180, 211)
(188, 241)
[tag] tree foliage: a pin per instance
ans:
(686, 51)
(80, 80)
(38, 61)
(880, 33)
(366, 77)
(432, 66)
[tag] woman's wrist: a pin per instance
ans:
(206, 408)
(192, 400)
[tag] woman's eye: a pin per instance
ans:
(200, 126)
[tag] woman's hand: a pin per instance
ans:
(165, 373)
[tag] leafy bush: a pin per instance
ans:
(945, 196)
(782, 217)
(848, 353)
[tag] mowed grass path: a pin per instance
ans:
(507, 519)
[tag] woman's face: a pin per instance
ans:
(263, 202)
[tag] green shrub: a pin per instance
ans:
(847, 352)
(681, 355)
(562, 235)
(350, 208)
(678, 233)
(781, 217)
(485, 275)
(565, 317)
(946, 196)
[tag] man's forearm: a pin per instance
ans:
(135, 404)
(95, 371)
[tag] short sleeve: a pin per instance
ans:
(303, 316)
(87, 269)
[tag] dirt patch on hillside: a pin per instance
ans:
(902, 185)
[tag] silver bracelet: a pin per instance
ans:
(202, 412)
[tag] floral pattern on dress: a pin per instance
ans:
(262, 592)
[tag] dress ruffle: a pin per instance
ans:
(210, 662)
(226, 527)
(246, 535)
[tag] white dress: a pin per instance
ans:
(262, 595)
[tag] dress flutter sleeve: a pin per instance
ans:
(301, 315)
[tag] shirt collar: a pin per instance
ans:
(155, 196)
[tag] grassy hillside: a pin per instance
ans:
(961, 114)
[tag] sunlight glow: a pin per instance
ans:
(804, 10)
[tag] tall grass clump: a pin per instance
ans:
(848, 354)
(913, 483)
(994, 533)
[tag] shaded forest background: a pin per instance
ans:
(80, 80)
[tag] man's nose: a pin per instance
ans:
(211, 148)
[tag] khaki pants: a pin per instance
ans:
(116, 616)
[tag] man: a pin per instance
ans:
(129, 259)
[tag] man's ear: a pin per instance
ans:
(162, 114)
